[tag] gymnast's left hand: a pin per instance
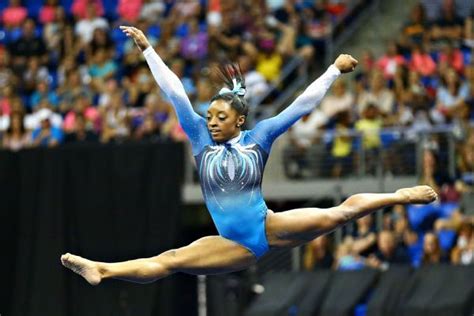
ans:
(345, 63)
(138, 37)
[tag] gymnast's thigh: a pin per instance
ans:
(212, 255)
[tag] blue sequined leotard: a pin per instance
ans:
(231, 172)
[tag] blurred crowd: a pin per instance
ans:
(68, 74)
(423, 82)
(418, 97)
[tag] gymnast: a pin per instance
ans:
(230, 162)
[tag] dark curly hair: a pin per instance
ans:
(234, 89)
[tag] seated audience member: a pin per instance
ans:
(463, 252)
(16, 137)
(341, 151)
(303, 135)
(389, 62)
(80, 133)
(448, 26)
(365, 238)
(340, 99)
(378, 95)
(369, 126)
(14, 15)
(81, 8)
(432, 252)
(85, 27)
(149, 130)
(318, 254)
(115, 121)
(422, 62)
(416, 28)
(46, 135)
(450, 96)
(389, 252)
(346, 257)
(26, 46)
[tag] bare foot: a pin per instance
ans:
(421, 194)
(85, 268)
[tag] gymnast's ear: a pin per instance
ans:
(240, 121)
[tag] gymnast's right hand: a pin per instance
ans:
(138, 37)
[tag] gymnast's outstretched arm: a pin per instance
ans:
(193, 124)
(268, 130)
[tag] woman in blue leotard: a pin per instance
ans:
(230, 164)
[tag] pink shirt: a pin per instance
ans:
(129, 10)
(14, 16)
(455, 60)
(423, 64)
(79, 8)
(5, 106)
(91, 114)
(46, 14)
(389, 65)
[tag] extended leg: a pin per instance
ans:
(208, 255)
(294, 227)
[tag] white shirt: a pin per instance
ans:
(85, 28)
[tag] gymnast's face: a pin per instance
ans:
(223, 121)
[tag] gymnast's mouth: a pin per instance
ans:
(215, 131)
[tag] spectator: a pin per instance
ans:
(432, 253)
(416, 28)
(194, 44)
(44, 109)
(256, 85)
(389, 62)
(318, 254)
(340, 99)
(14, 15)
(48, 12)
(46, 135)
(43, 91)
(389, 252)
(129, 10)
(431, 173)
(378, 95)
(463, 252)
(84, 29)
(34, 74)
(204, 94)
(303, 136)
(346, 258)
(81, 8)
(101, 69)
(452, 57)
(152, 10)
(365, 238)
(79, 133)
(369, 126)
(82, 107)
(27, 46)
(422, 62)
(6, 74)
(56, 34)
(448, 26)
(16, 137)
(149, 130)
(341, 151)
(100, 41)
(450, 96)
(115, 121)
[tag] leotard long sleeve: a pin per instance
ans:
(231, 173)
